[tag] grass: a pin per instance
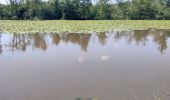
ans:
(86, 26)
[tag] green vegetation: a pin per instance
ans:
(85, 9)
(53, 26)
(28, 10)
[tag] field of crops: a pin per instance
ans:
(59, 26)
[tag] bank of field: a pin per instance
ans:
(85, 26)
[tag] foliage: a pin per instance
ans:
(85, 9)
(84, 26)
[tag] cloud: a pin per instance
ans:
(81, 59)
(104, 57)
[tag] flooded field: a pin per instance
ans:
(133, 65)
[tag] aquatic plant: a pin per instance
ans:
(85, 26)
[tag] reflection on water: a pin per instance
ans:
(0, 46)
(69, 66)
(40, 41)
(141, 37)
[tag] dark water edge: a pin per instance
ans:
(128, 65)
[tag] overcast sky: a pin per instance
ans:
(4, 1)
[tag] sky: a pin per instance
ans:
(4, 1)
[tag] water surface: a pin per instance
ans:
(71, 66)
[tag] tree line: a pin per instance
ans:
(85, 9)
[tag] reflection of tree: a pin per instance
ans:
(127, 35)
(81, 39)
(39, 41)
(102, 37)
(119, 35)
(19, 42)
(161, 40)
(141, 37)
(56, 39)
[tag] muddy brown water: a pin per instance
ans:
(132, 65)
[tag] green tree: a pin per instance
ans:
(85, 9)
(104, 11)
(57, 9)
(71, 9)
